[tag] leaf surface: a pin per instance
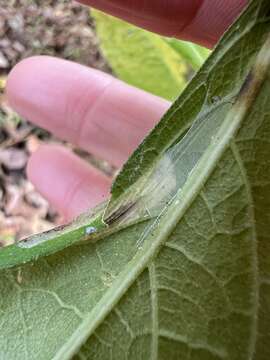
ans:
(190, 278)
(194, 54)
(141, 58)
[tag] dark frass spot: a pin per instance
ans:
(119, 213)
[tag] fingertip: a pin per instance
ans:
(47, 90)
(43, 166)
(34, 166)
(19, 80)
(66, 181)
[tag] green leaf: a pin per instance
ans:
(141, 58)
(194, 54)
(181, 271)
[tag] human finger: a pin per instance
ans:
(201, 21)
(70, 184)
(84, 106)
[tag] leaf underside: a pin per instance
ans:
(191, 281)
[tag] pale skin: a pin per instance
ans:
(97, 112)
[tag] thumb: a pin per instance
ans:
(201, 21)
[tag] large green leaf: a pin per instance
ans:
(190, 278)
(141, 58)
(194, 54)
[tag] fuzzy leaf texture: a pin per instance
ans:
(183, 269)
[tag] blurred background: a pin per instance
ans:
(58, 28)
(66, 29)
